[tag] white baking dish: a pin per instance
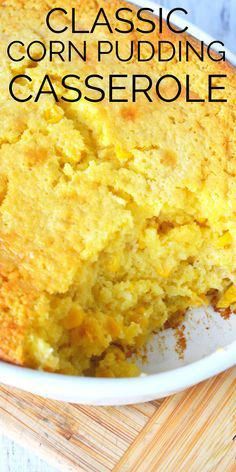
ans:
(211, 348)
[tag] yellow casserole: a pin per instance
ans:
(115, 217)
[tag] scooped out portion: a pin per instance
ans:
(114, 217)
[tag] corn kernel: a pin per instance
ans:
(113, 264)
(113, 327)
(74, 318)
(228, 298)
(164, 273)
(224, 240)
(53, 115)
(122, 154)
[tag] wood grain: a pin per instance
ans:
(191, 431)
(71, 436)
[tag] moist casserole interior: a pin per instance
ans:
(114, 218)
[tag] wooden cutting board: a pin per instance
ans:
(189, 432)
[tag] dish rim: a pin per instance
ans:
(105, 391)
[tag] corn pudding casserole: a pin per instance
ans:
(114, 217)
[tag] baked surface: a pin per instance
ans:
(114, 218)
